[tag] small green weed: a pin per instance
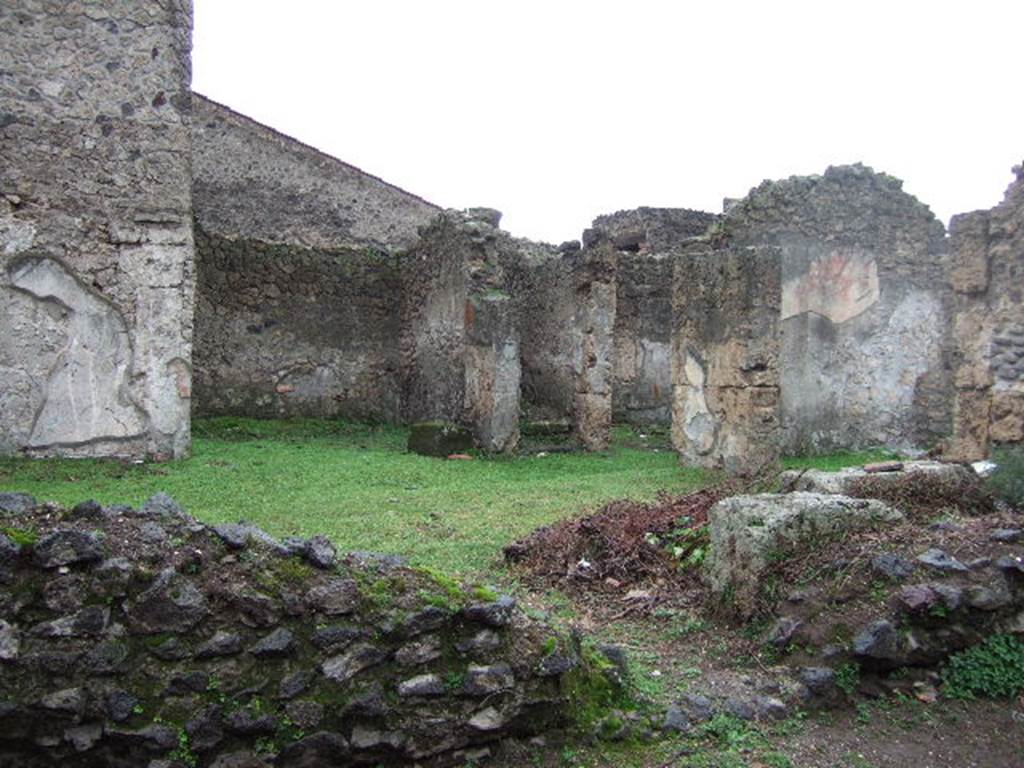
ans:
(994, 669)
(848, 678)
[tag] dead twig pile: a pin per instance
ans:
(625, 542)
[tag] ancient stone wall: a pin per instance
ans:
(644, 237)
(298, 294)
(251, 182)
(865, 309)
(96, 246)
(594, 278)
(459, 328)
(988, 277)
(129, 636)
(543, 290)
(726, 357)
(285, 331)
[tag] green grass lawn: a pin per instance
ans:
(357, 485)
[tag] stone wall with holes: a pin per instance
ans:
(866, 309)
(726, 357)
(96, 250)
(285, 331)
(988, 277)
(136, 635)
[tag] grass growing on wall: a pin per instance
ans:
(357, 485)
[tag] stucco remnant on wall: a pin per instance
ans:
(988, 277)
(725, 358)
(95, 228)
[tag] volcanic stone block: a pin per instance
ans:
(749, 532)
(725, 356)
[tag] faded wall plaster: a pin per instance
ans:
(96, 249)
(866, 309)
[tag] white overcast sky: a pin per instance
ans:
(557, 111)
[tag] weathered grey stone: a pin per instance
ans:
(239, 535)
(67, 547)
(187, 682)
(15, 503)
(172, 603)
(497, 613)
(879, 641)
(487, 719)
(892, 566)
(120, 706)
(1006, 535)
(335, 637)
(295, 683)
(278, 644)
(349, 664)
(66, 700)
(322, 748)
(941, 561)
(984, 598)
(9, 641)
(87, 510)
(320, 552)
(422, 685)
(335, 598)
(163, 506)
(205, 729)
(739, 708)
(675, 720)
(419, 651)
(106, 658)
(486, 681)
(781, 633)
(82, 738)
(429, 619)
(87, 622)
(849, 480)
(222, 643)
(747, 532)
(245, 722)
(820, 681)
(305, 714)
(482, 642)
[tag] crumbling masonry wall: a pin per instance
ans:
(645, 239)
(299, 292)
(866, 309)
(988, 277)
(459, 329)
(726, 357)
(96, 245)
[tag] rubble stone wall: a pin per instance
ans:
(285, 331)
(251, 182)
(988, 277)
(726, 358)
(866, 309)
(543, 290)
(460, 340)
(299, 293)
(96, 252)
(136, 635)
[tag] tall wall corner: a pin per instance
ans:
(725, 358)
